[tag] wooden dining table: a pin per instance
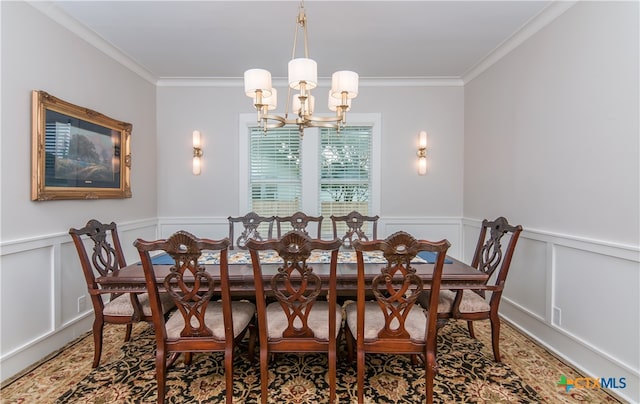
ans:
(455, 275)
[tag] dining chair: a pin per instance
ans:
(393, 323)
(305, 316)
(489, 257)
(106, 257)
(251, 223)
(299, 222)
(207, 320)
(355, 226)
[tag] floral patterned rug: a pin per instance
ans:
(467, 373)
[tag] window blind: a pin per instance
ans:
(275, 171)
(345, 171)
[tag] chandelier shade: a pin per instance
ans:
(303, 70)
(271, 101)
(257, 80)
(344, 81)
(302, 77)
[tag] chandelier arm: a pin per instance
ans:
(322, 119)
(329, 125)
(288, 104)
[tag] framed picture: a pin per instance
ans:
(77, 153)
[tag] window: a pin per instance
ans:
(322, 173)
(345, 178)
(275, 176)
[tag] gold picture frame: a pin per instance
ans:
(77, 153)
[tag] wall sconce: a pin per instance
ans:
(422, 153)
(197, 153)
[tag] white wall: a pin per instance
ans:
(404, 110)
(552, 143)
(40, 278)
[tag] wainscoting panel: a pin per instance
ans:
(27, 297)
(607, 289)
(59, 308)
(74, 299)
(526, 284)
(579, 299)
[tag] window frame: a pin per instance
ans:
(310, 168)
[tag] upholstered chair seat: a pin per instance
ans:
(121, 305)
(242, 314)
(374, 321)
(471, 301)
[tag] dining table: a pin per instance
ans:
(456, 274)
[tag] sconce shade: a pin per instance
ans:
(196, 138)
(196, 166)
(422, 153)
(197, 152)
(423, 140)
(422, 165)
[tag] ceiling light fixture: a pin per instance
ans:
(303, 76)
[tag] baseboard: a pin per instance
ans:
(14, 364)
(587, 359)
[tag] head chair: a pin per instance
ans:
(355, 226)
(252, 226)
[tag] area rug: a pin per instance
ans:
(60, 372)
(466, 374)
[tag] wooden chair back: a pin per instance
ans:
(299, 222)
(106, 256)
(357, 227)
(403, 328)
(490, 255)
(492, 258)
(205, 315)
(299, 320)
(251, 224)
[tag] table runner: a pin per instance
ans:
(317, 257)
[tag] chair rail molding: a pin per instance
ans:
(551, 288)
(57, 284)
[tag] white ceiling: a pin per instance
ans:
(222, 39)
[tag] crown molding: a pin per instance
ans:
(323, 82)
(528, 29)
(50, 10)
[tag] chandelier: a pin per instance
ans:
(303, 77)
